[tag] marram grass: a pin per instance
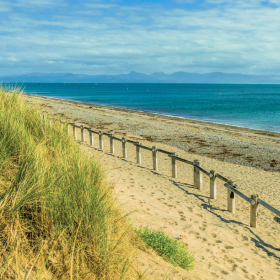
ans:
(58, 219)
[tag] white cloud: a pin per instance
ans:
(108, 38)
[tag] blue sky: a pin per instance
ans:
(116, 36)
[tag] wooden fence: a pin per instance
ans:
(232, 188)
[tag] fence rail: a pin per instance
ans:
(231, 186)
(269, 207)
(233, 189)
(163, 151)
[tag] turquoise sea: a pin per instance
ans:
(251, 106)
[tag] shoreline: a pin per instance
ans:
(277, 134)
(222, 242)
(243, 146)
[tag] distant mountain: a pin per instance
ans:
(134, 77)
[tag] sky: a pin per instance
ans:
(118, 36)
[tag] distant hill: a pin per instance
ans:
(134, 77)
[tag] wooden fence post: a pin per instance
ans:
(68, 127)
(231, 198)
(74, 131)
(254, 211)
(91, 139)
(138, 152)
(82, 134)
(155, 160)
(174, 165)
(213, 185)
(197, 175)
(100, 140)
(124, 149)
(112, 147)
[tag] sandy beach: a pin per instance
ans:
(223, 244)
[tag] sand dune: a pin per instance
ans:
(224, 245)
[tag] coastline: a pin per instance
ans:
(262, 131)
(240, 145)
(222, 243)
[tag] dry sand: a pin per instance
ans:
(223, 244)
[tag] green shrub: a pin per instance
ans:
(171, 249)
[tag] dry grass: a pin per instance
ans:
(58, 219)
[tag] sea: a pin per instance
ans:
(245, 105)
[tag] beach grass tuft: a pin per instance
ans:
(170, 249)
(58, 219)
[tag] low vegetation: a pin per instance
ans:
(170, 249)
(58, 218)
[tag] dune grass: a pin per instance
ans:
(58, 219)
(170, 249)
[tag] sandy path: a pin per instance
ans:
(224, 245)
